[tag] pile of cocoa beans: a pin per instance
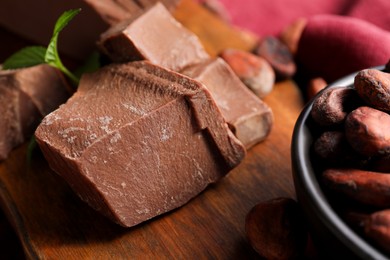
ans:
(351, 127)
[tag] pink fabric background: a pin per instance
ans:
(341, 36)
(270, 16)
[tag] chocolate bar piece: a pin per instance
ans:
(26, 96)
(249, 117)
(155, 36)
(137, 140)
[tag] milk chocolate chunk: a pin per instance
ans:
(26, 96)
(156, 36)
(249, 117)
(173, 47)
(137, 140)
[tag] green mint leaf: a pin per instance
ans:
(51, 56)
(35, 55)
(64, 19)
(52, 52)
(26, 57)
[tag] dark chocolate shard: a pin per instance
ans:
(156, 36)
(26, 96)
(137, 140)
(249, 117)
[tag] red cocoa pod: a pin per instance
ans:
(333, 104)
(373, 86)
(276, 229)
(377, 227)
(333, 148)
(314, 86)
(367, 130)
(366, 187)
(278, 55)
(255, 72)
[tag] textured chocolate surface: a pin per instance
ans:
(137, 140)
(155, 36)
(26, 96)
(249, 117)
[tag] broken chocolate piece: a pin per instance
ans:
(172, 46)
(249, 117)
(137, 140)
(26, 96)
(155, 36)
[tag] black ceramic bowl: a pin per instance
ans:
(331, 235)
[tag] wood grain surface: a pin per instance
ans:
(53, 223)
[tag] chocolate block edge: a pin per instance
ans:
(194, 176)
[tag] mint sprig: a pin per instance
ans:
(51, 56)
(34, 55)
(26, 57)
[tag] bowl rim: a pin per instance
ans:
(303, 173)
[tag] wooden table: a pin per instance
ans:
(52, 222)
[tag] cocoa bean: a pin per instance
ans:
(333, 104)
(373, 86)
(381, 163)
(366, 187)
(333, 148)
(255, 72)
(377, 227)
(278, 55)
(276, 229)
(367, 130)
(355, 219)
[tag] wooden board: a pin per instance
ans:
(52, 222)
